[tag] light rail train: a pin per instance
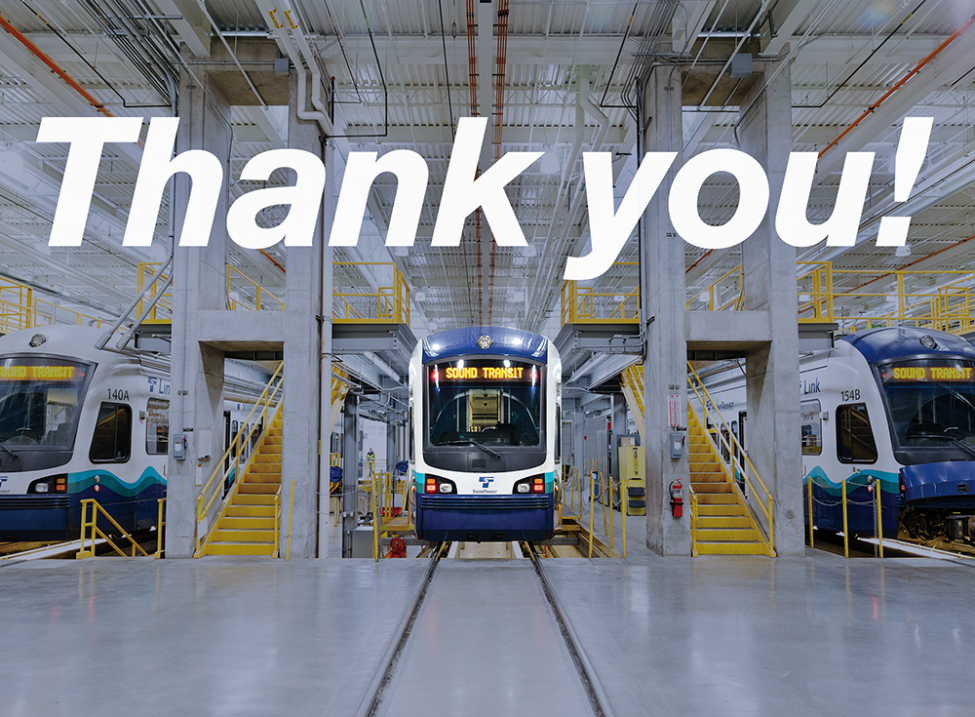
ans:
(77, 422)
(485, 416)
(890, 409)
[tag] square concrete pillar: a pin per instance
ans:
(302, 367)
(196, 407)
(662, 287)
(769, 281)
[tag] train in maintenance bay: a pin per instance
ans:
(484, 425)
(80, 422)
(888, 409)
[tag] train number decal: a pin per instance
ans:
(853, 395)
(117, 394)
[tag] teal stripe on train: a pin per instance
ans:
(889, 482)
(83, 480)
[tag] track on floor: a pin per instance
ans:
(380, 688)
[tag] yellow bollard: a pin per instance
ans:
(291, 510)
(602, 491)
(880, 522)
(592, 514)
(612, 518)
(846, 533)
(624, 507)
(810, 513)
(374, 488)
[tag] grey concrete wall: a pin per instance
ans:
(772, 371)
(197, 370)
(302, 367)
(665, 367)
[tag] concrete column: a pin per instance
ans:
(196, 409)
(350, 470)
(769, 268)
(578, 418)
(665, 367)
(302, 344)
(325, 351)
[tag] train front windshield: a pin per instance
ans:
(40, 401)
(494, 402)
(931, 402)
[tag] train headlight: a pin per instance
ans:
(37, 339)
(523, 488)
(928, 342)
(42, 488)
(446, 488)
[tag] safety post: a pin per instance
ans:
(373, 489)
(291, 511)
(159, 529)
(612, 518)
(880, 522)
(810, 513)
(602, 490)
(624, 505)
(592, 515)
(846, 533)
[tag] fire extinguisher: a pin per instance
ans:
(677, 499)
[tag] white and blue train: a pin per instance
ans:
(77, 422)
(485, 416)
(890, 409)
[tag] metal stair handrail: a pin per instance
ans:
(211, 490)
(733, 467)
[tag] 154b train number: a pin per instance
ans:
(853, 395)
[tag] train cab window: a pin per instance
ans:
(112, 442)
(811, 427)
(157, 427)
(854, 436)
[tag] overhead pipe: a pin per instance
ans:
(203, 6)
(36, 51)
(900, 83)
(585, 103)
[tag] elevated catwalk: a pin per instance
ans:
(667, 636)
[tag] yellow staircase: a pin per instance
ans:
(631, 382)
(246, 525)
(723, 525)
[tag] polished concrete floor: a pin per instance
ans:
(818, 635)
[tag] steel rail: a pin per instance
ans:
(383, 678)
(598, 699)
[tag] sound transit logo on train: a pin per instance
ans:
(464, 192)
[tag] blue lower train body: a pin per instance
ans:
(485, 518)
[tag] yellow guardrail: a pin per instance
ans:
(725, 294)
(941, 300)
(357, 301)
(16, 301)
(90, 510)
(737, 466)
(247, 294)
(162, 310)
(694, 515)
(585, 305)
(213, 488)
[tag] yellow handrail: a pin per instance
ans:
(734, 449)
(260, 293)
(389, 304)
(716, 292)
(694, 516)
(89, 528)
(204, 503)
(162, 308)
(579, 304)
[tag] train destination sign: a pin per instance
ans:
(40, 373)
(481, 373)
(929, 373)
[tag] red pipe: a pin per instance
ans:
(900, 83)
(53, 66)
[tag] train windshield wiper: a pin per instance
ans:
(468, 441)
(8, 451)
(946, 437)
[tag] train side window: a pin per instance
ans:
(558, 434)
(854, 436)
(112, 442)
(157, 427)
(811, 427)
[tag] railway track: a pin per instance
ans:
(385, 685)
